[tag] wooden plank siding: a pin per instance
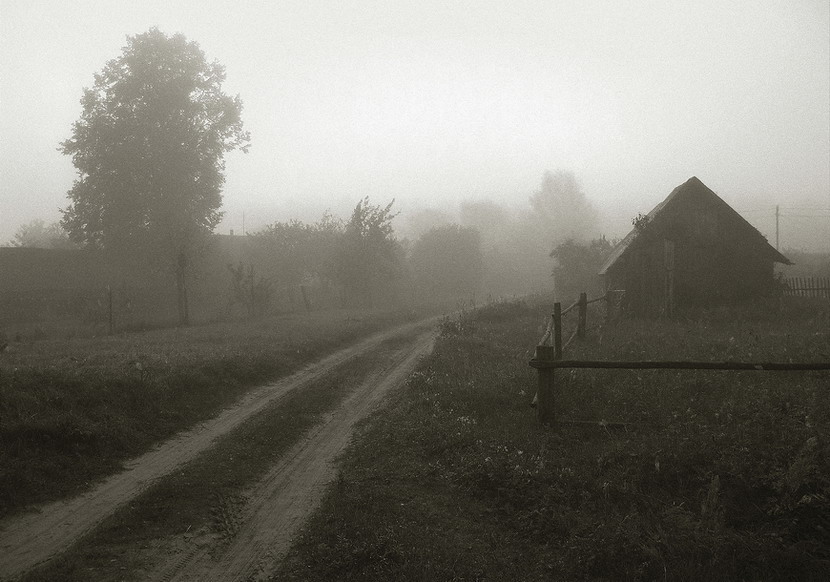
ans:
(693, 250)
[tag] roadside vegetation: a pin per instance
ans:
(203, 500)
(71, 411)
(705, 475)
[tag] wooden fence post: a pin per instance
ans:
(546, 397)
(546, 404)
(583, 316)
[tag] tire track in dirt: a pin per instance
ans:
(280, 502)
(31, 539)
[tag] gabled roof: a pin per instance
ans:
(689, 187)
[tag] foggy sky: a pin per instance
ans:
(435, 102)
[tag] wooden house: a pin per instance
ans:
(691, 250)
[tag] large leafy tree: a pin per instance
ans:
(149, 150)
(563, 209)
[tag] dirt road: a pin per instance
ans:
(276, 506)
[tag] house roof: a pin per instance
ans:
(690, 186)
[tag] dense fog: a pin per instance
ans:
(440, 105)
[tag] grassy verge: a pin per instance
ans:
(71, 411)
(720, 475)
(205, 496)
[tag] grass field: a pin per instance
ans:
(204, 497)
(718, 475)
(72, 410)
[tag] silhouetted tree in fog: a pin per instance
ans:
(368, 256)
(37, 234)
(516, 242)
(447, 261)
(284, 251)
(515, 248)
(491, 220)
(149, 150)
(325, 243)
(291, 254)
(562, 209)
(422, 220)
(577, 267)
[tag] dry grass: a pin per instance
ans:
(208, 494)
(724, 476)
(72, 410)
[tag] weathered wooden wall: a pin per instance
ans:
(718, 258)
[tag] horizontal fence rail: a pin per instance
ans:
(544, 398)
(548, 358)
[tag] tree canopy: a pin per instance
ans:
(563, 207)
(577, 266)
(149, 150)
(369, 255)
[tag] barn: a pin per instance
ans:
(691, 250)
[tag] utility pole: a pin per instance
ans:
(776, 227)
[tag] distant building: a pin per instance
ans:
(691, 250)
